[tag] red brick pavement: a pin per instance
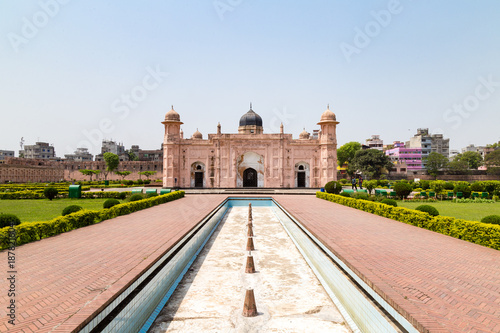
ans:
(62, 280)
(439, 283)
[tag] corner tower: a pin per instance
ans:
(171, 149)
(328, 146)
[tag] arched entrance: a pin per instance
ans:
(198, 175)
(301, 177)
(250, 178)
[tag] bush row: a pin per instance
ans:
(471, 231)
(32, 231)
(106, 194)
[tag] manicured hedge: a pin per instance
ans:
(104, 194)
(475, 232)
(32, 231)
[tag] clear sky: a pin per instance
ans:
(74, 72)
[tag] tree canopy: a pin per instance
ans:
(370, 162)
(123, 174)
(112, 161)
(493, 158)
(473, 159)
(89, 172)
(346, 152)
(435, 162)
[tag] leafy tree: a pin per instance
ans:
(147, 173)
(493, 159)
(473, 159)
(494, 145)
(346, 153)
(457, 167)
(131, 155)
(88, 172)
(123, 174)
(371, 162)
(435, 162)
(112, 161)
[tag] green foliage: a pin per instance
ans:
(435, 162)
(112, 161)
(147, 173)
(449, 186)
(389, 202)
(472, 159)
(105, 194)
(123, 174)
(428, 209)
(346, 153)
(457, 167)
(463, 187)
(71, 209)
(346, 194)
(344, 181)
(6, 220)
(403, 189)
(491, 219)
(477, 187)
(477, 200)
(89, 172)
(370, 162)
(370, 185)
(136, 197)
(152, 194)
(470, 231)
(50, 192)
(361, 196)
(493, 159)
(131, 155)
(333, 187)
(110, 203)
(32, 231)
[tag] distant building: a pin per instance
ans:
(440, 145)
(453, 154)
(40, 150)
(109, 146)
(147, 155)
(80, 155)
(375, 142)
(6, 153)
(410, 157)
(483, 150)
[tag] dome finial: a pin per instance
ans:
(328, 106)
(172, 106)
(250, 105)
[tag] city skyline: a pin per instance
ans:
(75, 72)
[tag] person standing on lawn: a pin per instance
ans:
(360, 181)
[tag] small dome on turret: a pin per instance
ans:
(304, 135)
(172, 115)
(197, 135)
(328, 115)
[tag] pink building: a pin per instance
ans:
(249, 158)
(412, 157)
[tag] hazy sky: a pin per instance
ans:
(74, 72)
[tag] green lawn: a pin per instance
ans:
(466, 211)
(43, 209)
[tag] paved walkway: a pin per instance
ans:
(62, 280)
(439, 283)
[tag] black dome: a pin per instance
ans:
(250, 118)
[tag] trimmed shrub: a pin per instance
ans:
(346, 194)
(343, 181)
(491, 219)
(370, 185)
(463, 187)
(122, 195)
(428, 209)
(71, 209)
(389, 202)
(136, 197)
(425, 184)
(6, 220)
(403, 189)
(361, 196)
(110, 203)
(50, 192)
(477, 187)
(152, 194)
(470, 231)
(333, 187)
(449, 186)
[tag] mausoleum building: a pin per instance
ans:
(249, 158)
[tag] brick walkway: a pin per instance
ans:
(439, 283)
(62, 280)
